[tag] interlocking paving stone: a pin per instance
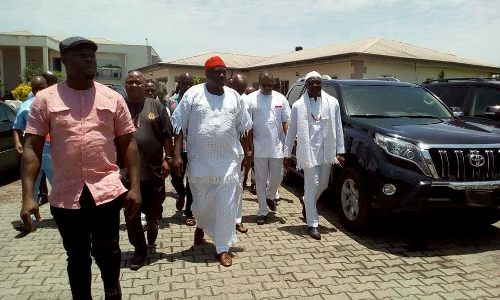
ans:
(275, 260)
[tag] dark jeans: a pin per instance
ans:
(152, 194)
(178, 184)
(91, 230)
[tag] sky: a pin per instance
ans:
(182, 28)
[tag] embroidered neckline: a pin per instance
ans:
(315, 118)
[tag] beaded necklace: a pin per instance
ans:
(316, 118)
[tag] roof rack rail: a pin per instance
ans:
(383, 79)
(477, 79)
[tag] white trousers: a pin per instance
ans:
(268, 172)
(315, 183)
(214, 207)
(239, 205)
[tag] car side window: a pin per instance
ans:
(484, 97)
(435, 89)
(454, 96)
(330, 90)
(6, 115)
(295, 94)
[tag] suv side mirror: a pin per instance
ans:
(457, 111)
(492, 112)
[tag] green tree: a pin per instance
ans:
(441, 75)
(31, 71)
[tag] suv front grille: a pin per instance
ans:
(466, 164)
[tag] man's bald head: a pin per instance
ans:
(50, 77)
(240, 83)
(185, 82)
(38, 83)
(266, 82)
(135, 86)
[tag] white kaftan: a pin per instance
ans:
(213, 125)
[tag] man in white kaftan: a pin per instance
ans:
(317, 126)
(270, 113)
(213, 117)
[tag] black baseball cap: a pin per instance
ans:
(74, 41)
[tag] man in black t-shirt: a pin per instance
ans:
(153, 135)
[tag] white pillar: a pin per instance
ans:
(45, 55)
(22, 55)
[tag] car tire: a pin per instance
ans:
(353, 200)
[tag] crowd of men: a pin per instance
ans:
(109, 153)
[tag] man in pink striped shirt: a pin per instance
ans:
(90, 126)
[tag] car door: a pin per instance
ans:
(8, 154)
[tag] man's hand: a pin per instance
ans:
(177, 165)
(19, 148)
(341, 159)
(132, 203)
(165, 168)
(29, 208)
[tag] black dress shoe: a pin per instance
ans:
(314, 233)
(271, 204)
(138, 260)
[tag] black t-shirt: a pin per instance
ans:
(153, 126)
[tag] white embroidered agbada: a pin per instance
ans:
(300, 128)
(212, 126)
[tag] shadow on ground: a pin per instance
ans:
(417, 234)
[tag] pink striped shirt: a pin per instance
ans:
(82, 126)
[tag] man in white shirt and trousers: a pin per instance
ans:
(270, 113)
(317, 126)
(215, 121)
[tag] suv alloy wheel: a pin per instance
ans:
(353, 202)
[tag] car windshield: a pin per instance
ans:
(392, 101)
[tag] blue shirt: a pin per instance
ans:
(22, 115)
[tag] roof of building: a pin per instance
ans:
(372, 46)
(232, 60)
(59, 38)
(378, 46)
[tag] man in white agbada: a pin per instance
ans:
(270, 113)
(214, 118)
(316, 123)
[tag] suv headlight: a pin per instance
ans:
(403, 150)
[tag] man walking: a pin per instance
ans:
(316, 123)
(183, 191)
(38, 83)
(89, 125)
(153, 135)
(270, 115)
(239, 84)
(213, 117)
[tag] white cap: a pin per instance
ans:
(312, 74)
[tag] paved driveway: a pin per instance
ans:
(276, 260)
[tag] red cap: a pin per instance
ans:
(214, 61)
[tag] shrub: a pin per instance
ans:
(21, 91)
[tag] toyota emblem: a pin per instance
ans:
(476, 160)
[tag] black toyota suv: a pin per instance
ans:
(405, 151)
(470, 97)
